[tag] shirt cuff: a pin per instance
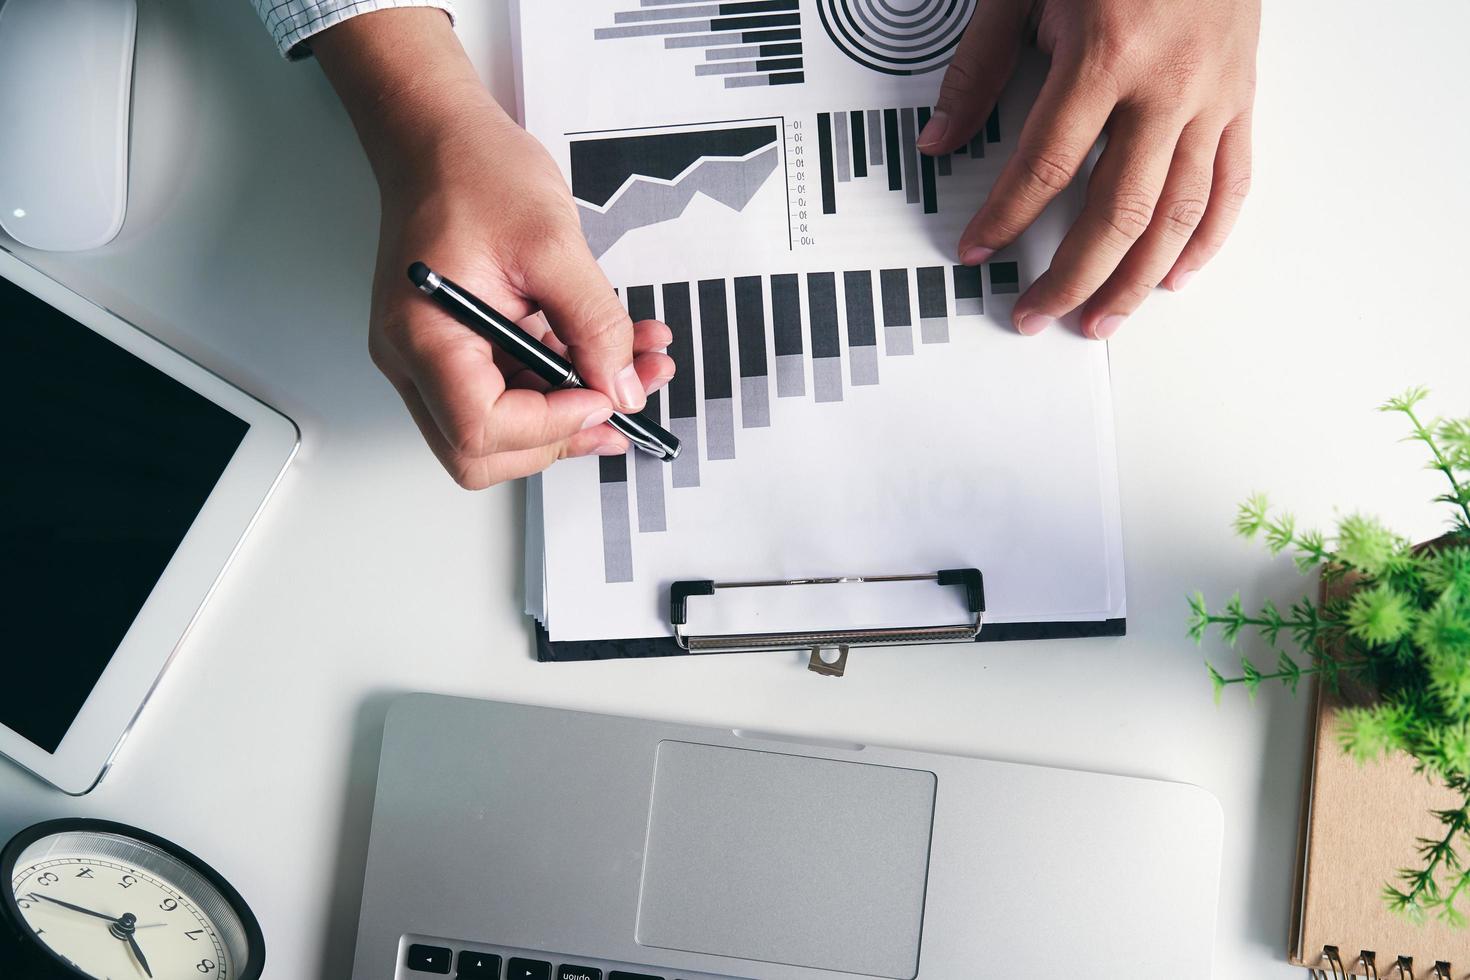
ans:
(293, 22)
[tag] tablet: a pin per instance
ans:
(130, 475)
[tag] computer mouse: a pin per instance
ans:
(66, 78)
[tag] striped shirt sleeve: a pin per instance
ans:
(293, 22)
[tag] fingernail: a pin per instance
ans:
(1031, 324)
(934, 129)
(629, 389)
(611, 449)
(976, 254)
(1182, 280)
(1108, 326)
(657, 383)
(597, 418)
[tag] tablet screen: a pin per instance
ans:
(107, 462)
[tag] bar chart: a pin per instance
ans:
(746, 43)
(855, 145)
(789, 327)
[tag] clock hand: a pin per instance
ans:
(74, 908)
(142, 960)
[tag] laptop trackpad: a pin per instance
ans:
(787, 859)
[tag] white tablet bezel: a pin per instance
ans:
(87, 750)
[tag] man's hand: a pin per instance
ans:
(469, 192)
(1171, 82)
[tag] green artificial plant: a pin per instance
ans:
(1399, 626)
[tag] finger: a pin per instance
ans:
(1180, 209)
(655, 369)
(983, 60)
(1121, 199)
(1232, 182)
(650, 335)
(587, 315)
(1065, 122)
(455, 374)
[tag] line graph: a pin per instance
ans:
(633, 180)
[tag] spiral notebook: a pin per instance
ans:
(1359, 825)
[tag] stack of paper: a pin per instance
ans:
(850, 400)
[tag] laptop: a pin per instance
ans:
(524, 843)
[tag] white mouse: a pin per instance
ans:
(66, 74)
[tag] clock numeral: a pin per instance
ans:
(24, 901)
(48, 879)
(40, 932)
(168, 905)
(128, 881)
(84, 873)
(195, 934)
(205, 966)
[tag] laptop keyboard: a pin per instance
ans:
(423, 959)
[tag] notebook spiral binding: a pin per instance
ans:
(1402, 969)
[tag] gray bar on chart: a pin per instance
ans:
(908, 136)
(700, 40)
(790, 375)
(934, 330)
(686, 466)
(644, 30)
(617, 534)
(875, 137)
(844, 147)
(726, 54)
(649, 472)
(635, 16)
(719, 428)
(826, 379)
(864, 365)
(755, 403)
(747, 81)
(725, 68)
(898, 319)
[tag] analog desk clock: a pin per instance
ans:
(93, 899)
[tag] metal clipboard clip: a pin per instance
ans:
(816, 641)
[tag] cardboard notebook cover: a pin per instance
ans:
(1360, 825)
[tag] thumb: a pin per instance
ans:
(982, 62)
(585, 314)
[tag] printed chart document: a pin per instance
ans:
(851, 400)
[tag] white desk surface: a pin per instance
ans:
(249, 245)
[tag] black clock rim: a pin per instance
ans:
(10, 916)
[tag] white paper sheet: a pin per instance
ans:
(916, 442)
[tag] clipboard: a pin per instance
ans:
(685, 640)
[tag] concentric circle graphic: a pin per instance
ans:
(897, 37)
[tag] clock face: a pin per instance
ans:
(115, 908)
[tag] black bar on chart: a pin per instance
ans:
(977, 146)
(758, 6)
(910, 149)
(824, 152)
(862, 336)
(648, 470)
(967, 298)
(926, 172)
(821, 295)
(933, 306)
(875, 137)
(761, 37)
(890, 140)
(780, 50)
(898, 320)
(786, 322)
(617, 533)
(1005, 277)
(719, 403)
(992, 126)
(682, 423)
(945, 165)
(750, 336)
(859, 145)
(755, 23)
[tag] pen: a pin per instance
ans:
(550, 366)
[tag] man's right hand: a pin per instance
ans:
(469, 192)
